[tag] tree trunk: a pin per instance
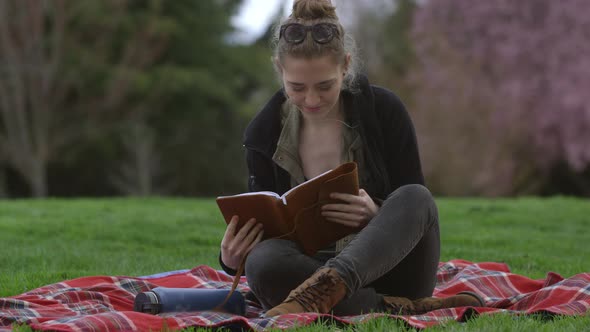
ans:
(38, 180)
(3, 189)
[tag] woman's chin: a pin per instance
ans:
(312, 110)
(315, 114)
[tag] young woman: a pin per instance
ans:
(325, 115)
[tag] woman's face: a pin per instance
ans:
(313, 85)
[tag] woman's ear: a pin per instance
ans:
(347, 62)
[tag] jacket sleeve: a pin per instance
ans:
(402, 157)
(260, 172)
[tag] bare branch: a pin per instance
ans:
(3, 147)
(56, 52)
(33, 52)
(14, 77)
(24, 90)
(5, 108)
(8, 51)
(141, 51)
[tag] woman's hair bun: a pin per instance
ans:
(313, 10)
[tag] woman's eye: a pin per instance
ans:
(297, 88)
(325, 87)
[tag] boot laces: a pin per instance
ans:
(399, 309)
(404, 306)
(310, 297)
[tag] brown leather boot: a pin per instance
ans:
(319, 293)
(404, 306)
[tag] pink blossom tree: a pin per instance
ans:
(519, 71)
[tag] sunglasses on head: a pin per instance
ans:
(296, 33)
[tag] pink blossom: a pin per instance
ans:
(529, 61)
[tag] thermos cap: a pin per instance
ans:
(147, 302)
(164, 299)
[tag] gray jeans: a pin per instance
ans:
(396, 254)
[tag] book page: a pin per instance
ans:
(266, 193)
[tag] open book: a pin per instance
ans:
(296, 215)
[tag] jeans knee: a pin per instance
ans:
(414, 193)
(265, 258)
(414, 198)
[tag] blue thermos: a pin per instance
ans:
(163, 299)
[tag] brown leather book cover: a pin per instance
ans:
(296, 215)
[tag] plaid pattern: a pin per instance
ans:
(104, 303)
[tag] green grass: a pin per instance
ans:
(46, 241)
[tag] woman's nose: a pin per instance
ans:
(312, 98)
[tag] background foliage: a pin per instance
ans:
(151, 97)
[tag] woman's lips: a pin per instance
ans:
(312, 109)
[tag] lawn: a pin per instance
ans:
(45, 241)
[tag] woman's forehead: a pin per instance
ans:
(318, 69)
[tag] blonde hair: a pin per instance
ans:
(310, 12)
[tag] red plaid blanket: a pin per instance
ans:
(104, 303)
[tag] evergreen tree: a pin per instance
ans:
(151, 98)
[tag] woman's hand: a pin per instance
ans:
(356, 211)
(234, 247)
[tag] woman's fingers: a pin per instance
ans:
(343, 215)
(346, 208)
(363, 193)
(256, 241)
(228, 254)
(231, 227)
(335, 210)
(235, 246)
(355, 211)
(230, 232)
(349, 223)
(362, 204)
(251, 237)
(348, 198)
(244, 230)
